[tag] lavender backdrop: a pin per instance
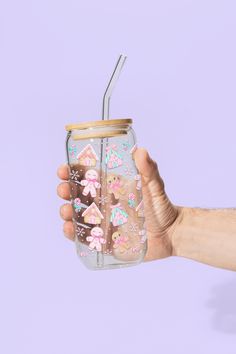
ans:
(179, 86)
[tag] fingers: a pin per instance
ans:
(63, 190)
(66, 212)
(147, 167)
(63, 172)
(143, 162)
(69, 231)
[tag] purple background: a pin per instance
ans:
(179, 84)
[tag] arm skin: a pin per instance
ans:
(207, 236)
(204, 235)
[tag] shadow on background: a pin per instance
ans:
(223, 304)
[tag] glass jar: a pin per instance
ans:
(108, 211)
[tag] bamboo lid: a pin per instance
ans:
(99, 123)
(109, 134)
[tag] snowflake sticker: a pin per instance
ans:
(80, 231)
(128, 170)
(74, 175)
(102, 200)
(143, 236)
(133, 227)
(136, 249)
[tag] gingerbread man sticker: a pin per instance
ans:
(121, 242)
(96, 239)
(115, 185)
(90, 183)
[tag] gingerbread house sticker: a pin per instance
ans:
(140, 209)
(87, 156)
(92, 215)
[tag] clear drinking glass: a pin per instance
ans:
(106, 196)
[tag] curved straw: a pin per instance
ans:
(111, 85)
(105, 115)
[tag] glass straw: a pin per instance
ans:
(105, 115)
(111, 85)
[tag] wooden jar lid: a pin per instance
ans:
(99, 123)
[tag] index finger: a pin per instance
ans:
(63, 172)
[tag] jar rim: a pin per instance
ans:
(99, 123)
(101, 135)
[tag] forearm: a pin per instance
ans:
(207, 236)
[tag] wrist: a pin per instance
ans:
(176, 230)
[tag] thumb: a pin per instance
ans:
(148, 168)
(160, 213)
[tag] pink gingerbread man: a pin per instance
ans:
(96, 239)
(90, 183)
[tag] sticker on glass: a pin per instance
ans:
(87, 156)
(133, 149)
(140, 209)
(137, 249)
(92, 215)
(125, 145)
(77, 205)
(139, 182)
(121, 242)
(96, 239)
(102, 200)
(74, 176)
(90, 183)
(118, 215)
(113, 158)
(80, 231)
(72, 151)
(133, 227)
(128, 170)
(115, 185)
(143, 235)
(131, 200)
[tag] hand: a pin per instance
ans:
(162, 217)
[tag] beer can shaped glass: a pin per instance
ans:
(108, 208)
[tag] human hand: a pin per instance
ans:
(161, 216)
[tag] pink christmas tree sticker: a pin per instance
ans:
(118, 215)
(113, 158)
